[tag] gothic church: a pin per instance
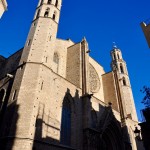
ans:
(54, 96)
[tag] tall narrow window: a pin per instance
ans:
(56, 61)
(46, 14)
(56, 4)
(114, 56)
(54, 16)
(38, 14)
(56, 58)
(66, 122)
(49, 1)
(118, 56)
(124, 82)
(2, 96)
(121, 68)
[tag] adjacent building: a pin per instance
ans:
(146, 30)
(3, 7)
(53, 95)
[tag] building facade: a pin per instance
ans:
(3, 7)
(146, 30)
(53, 95)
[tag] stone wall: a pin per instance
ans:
(110, 94)
(73, 73)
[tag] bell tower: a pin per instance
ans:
(41, 38)
(119, 64)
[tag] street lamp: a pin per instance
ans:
(137, 134)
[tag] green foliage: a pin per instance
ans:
(146, 99)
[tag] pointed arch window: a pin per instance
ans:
(66, 122)
(121, 68)
(46, 14)
(124, 82)
(49, 1)
(38, 14)
(2, 97)
(56, 4)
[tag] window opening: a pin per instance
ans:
(124, 82)
(121, 68)
(118, 56)
(54, 16)
(114, 56)
(49, 1)
(46, 13)
(56, 4)
(56, 58)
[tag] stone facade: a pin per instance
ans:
(3, 7)
(53, 95)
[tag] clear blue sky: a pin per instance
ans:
(101, 21)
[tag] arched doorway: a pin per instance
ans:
(112, 137)
(107, 135)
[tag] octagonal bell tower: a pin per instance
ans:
(41, 38)
(119, 64)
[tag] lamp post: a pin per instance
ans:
(137, 134)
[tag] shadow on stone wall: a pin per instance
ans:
(8, 117)
(8, 127)
(49, 134)
(104, 131)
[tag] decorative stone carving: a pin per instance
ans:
(94, 81)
